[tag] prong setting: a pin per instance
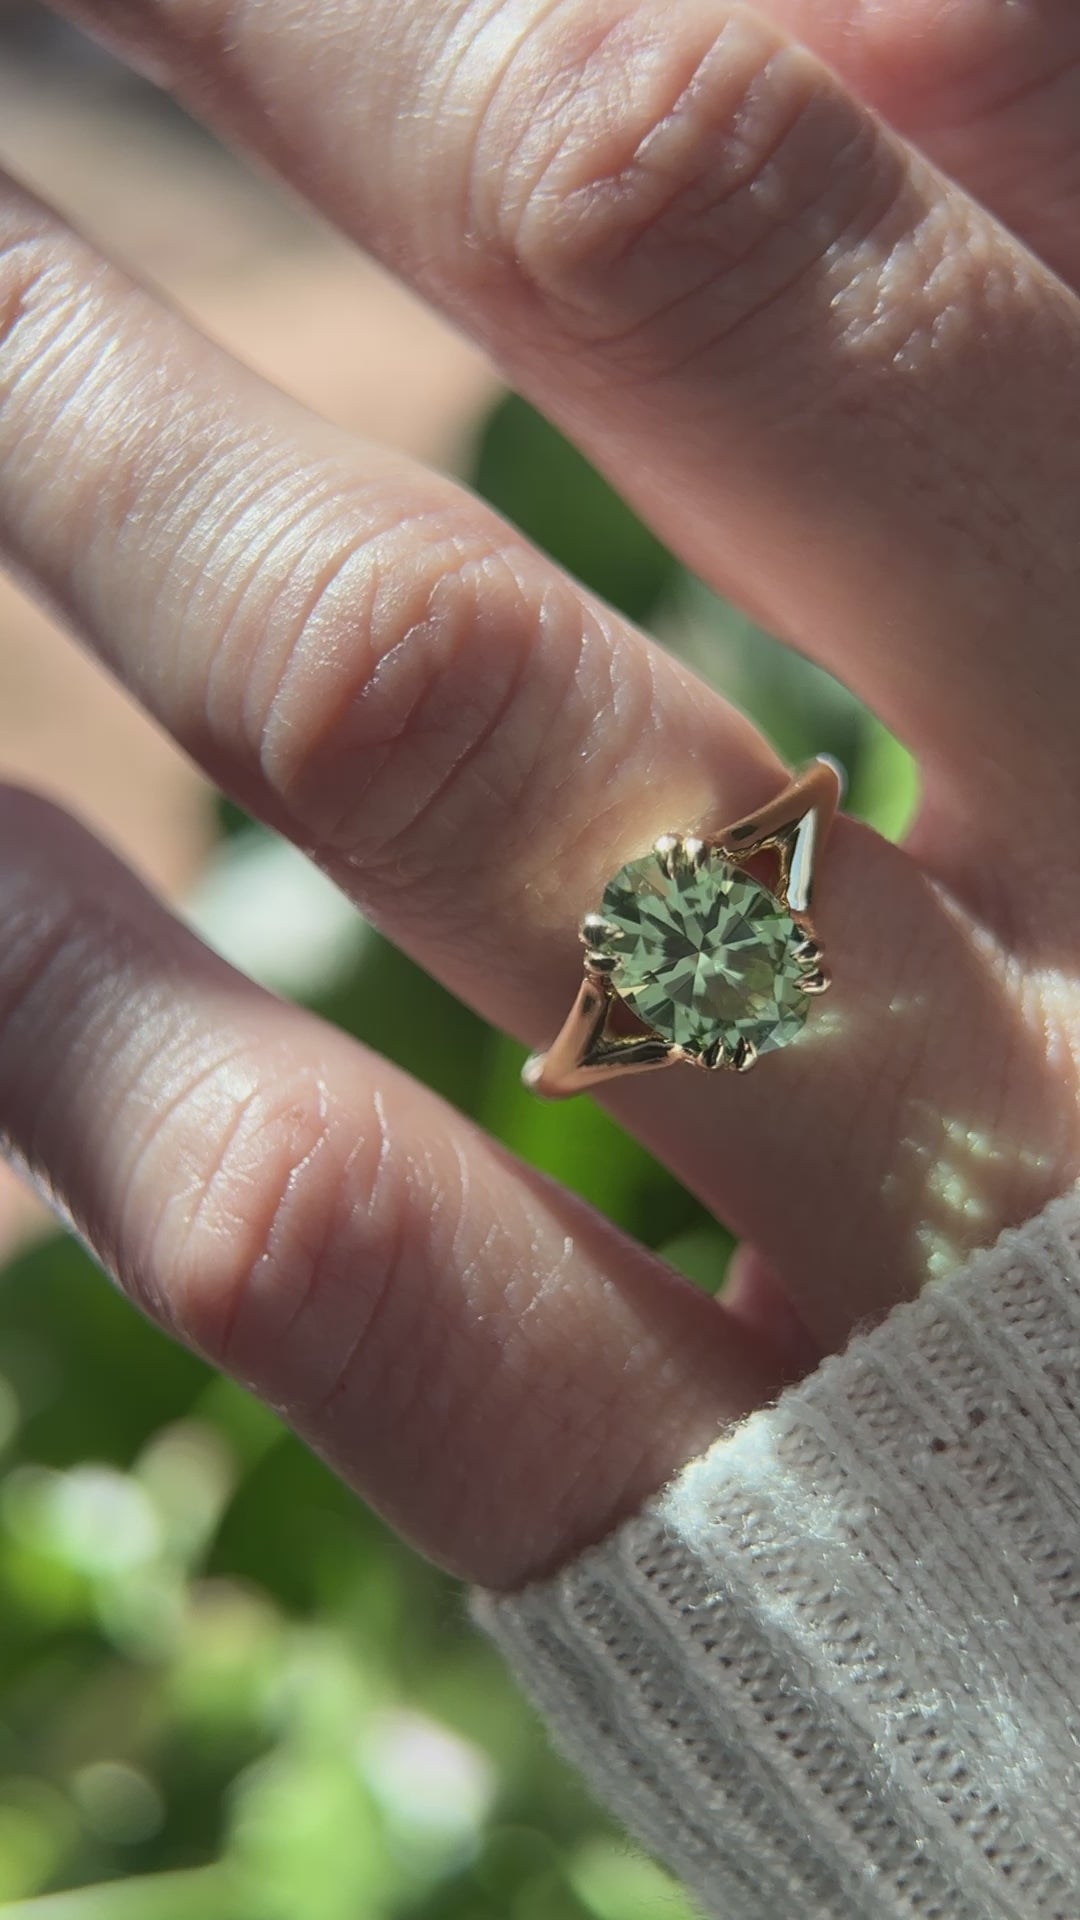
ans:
(595, 930)
(679, 929)
(680, 853)
(666, 850)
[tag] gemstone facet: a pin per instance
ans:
(703, 953)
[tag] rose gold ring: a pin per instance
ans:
(693, 959)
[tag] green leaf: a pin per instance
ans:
(202, 1893)
(533, 475)
(615, 1882)
(885, 783)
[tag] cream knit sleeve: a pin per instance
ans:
(833, 1669)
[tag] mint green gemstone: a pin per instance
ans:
(705, 955)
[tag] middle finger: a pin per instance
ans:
(832, 381)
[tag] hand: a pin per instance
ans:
(845, 394)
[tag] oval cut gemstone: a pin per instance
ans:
(704, 955)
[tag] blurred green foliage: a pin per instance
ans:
(226, 1691)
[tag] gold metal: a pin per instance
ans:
(595, 928)
(796, 825)
(745, 1055)
(666, 848)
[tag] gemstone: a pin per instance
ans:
(703, 954)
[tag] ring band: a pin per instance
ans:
(715, 967)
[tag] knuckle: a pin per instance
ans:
(399, 692)
(254, 1158)
(233, 1146)
(34, 282)
(678, 183)
(502, 678)
(49, 344)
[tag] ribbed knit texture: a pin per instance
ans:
(834, 1668)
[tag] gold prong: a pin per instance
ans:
(744, 1055)
(601, 962)
(595, 930)
(818, 981)
(715, 1056)
(666, 849)
(806, 950)
(533, 1071)
(680, 853)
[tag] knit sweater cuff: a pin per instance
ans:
(833, 1669)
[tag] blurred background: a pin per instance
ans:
(225, 1690)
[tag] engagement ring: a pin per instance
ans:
(691, 958)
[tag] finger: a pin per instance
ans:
(760, 1302)
(830, 380)
(360, 650)
(472, 747)
(499, 1371)
(991, 92)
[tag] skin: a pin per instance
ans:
(839, 380)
